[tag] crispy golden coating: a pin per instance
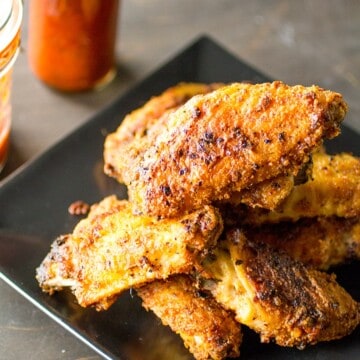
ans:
(320, 242)
(277, 296)
(141, 126)
(230, 140)
(267, 194)
(333, 190)
(208, 331)
(112, 250)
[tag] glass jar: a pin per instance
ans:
(71, 43)
(11, 12)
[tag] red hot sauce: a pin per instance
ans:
(72, 42)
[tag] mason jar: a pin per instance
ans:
(11, 12)
(71, 43)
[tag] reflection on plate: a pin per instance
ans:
(34, 206)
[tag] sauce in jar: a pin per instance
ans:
(5, 117)
(72, 42)
(10, 23)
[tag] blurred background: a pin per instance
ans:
(299, 41)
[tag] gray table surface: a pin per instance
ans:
(305, 41)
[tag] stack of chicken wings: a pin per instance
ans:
(235, 212)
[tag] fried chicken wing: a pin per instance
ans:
(112, 250)
(333, 190)
(321, 242)
(229, 140)
(265, 195)
(208, 331)
(141, 126)
(277, 296)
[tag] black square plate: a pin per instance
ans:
(33, 212)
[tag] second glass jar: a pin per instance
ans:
(71, 44)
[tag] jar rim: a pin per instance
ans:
(5, 12)
(10, 21)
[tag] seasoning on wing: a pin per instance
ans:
(112, 250)
(321, 242)
(229, 140)
(208, 331)
(277, 296)
(333, 190)
(141, 126)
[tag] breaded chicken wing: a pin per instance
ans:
(208, 331)
(141, 126)
(112, 250)
(277, 296)
(229, 140)
(265, 195)
(333, 190)
(320, 242)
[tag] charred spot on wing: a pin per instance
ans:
(196, 112)
(304, 173)
(264, 103)
(165, 189)
(209, 137)
(282, 136)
